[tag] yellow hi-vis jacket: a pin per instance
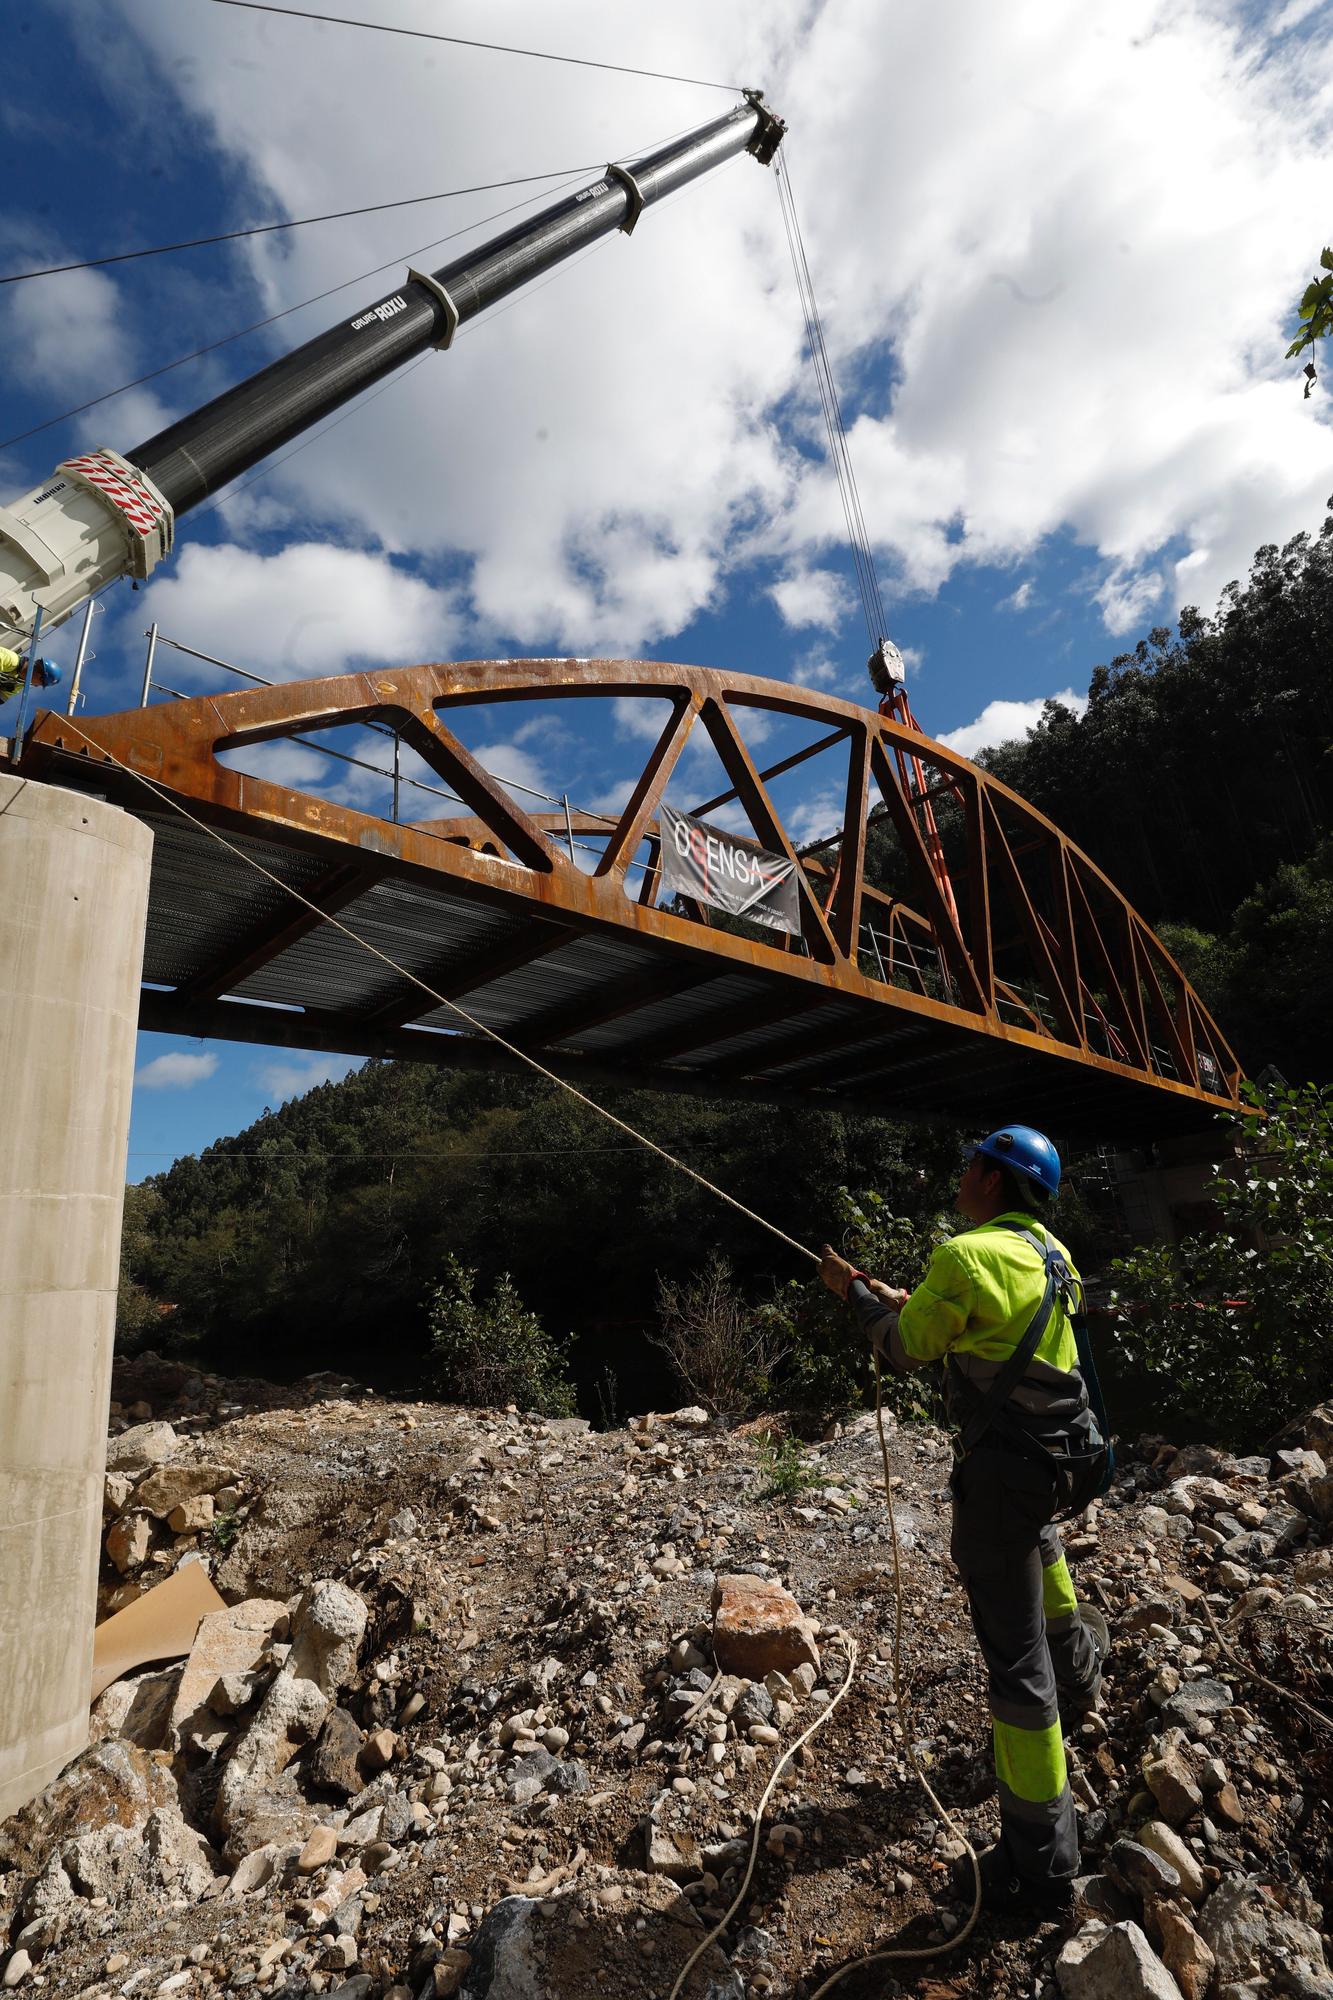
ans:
(972, 1309)
(10, 674)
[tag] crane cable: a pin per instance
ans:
(298, 222)
(872, 603)
(801, 1249)
(464, 42)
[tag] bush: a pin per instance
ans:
(828, 1371)
(1238, 1327)
(724, 1351)
(495, 1352)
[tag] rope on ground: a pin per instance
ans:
(778, 1769)
(480, 1027)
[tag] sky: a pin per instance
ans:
(1056, 249)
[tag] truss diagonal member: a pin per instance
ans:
(423, 730)
(736, 762)
(653, 781)
(926, 885)
(844, 908)
(1037, 932)
(1109, 971)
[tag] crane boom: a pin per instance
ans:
(102, 514)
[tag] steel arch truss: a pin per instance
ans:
(956, 951)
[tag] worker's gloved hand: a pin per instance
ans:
(836, 1272)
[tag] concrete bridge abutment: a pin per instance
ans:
(73, 902)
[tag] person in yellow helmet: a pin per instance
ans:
(998, 1307)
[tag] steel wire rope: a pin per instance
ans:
(257, 326)
(466, 42)
(297, 222)
(872, 603)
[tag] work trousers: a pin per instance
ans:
(1008, 1553)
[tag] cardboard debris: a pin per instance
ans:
(160, 1625)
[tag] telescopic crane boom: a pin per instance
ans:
(104, 514)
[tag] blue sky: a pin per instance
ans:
(1056, 252)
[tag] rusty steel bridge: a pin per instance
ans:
(999, 975)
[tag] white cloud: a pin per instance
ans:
(815, 816)
(1002, 721)
(1081, 244)
(311, 609)
(813, 597)
(1018, 600)
(1127, 596)
(513, 765)
(292, 1076)
(176, 1071)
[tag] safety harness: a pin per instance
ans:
(1083, 1466)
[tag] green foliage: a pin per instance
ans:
(225, 1529)
(787, 1472)
(1237, 1327)
(829, 1370)
(1316, 315)
(495, 1351)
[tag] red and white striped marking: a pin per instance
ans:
(142, 513)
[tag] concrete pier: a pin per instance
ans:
(73, 900)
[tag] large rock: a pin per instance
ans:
(129, 1539)
(1196, 1698)
(137, 1709)
(759, 1628)
(1140, 1871)
(326, 1633)
(172, 1485)
(1168, 1846)
(1250, 1935)
(141, 1448)
(227, 1642)
(1118, 1964)
(1185, 1955)
(112, 1783)
(1171, 1782)
(628, 1938)
(334, 1764)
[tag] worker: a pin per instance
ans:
(11, 672)
(983, 1292)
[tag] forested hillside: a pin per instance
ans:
(1201, 780)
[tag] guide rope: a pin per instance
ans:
(802, 1250)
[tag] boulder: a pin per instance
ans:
(1196, 1698)
(1185, 1955)
(171, 1485)
(129, 1539)
(1168, 1846)
(636, 1937)
(1250, 1935)
(140, 1449)
(1171, 1782)
(334, 1765)
(326, 1633)
(111, 1783)
(1139, 1871)
(1115, 1964)
(227, 1642)
(137, 1709)
(192, 1516)
(759, 1628)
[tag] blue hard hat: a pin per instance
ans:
(1023, 1151)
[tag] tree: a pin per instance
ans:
(1316, 319)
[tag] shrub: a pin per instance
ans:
(724, 1351)
(1237, 1328)
(786, 1470)
(495, 1352)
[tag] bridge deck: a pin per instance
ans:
(601, 986)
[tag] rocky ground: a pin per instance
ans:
(459, 1729)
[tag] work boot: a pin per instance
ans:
(1003, 1892)
(1078, 1703)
